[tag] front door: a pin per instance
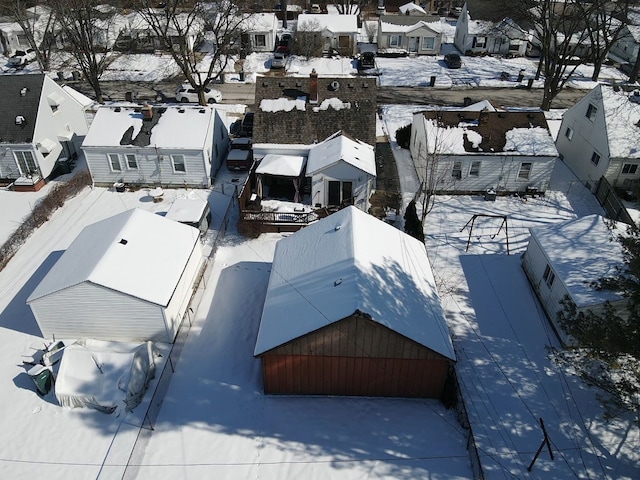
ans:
(333, 197)
(413, 44)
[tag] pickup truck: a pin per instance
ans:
(240, 155)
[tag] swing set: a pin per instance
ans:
(503, 224)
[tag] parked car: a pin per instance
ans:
(456, 12)
(187, 94)
(283, 49)
(240, 155)
(286, 40)
(366, 60)
(22, 57)
(453, 60)
(279, 60)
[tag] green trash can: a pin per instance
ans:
(43, 378)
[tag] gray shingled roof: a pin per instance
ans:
(315, 124)
(20, 97)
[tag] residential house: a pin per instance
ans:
(137, 35)
(599, 137)
(259, 32)
(625, 50)
(352, 309)
(339, 32)
(486, 37)
(466, 150)
(411, 9)
(175, 145)
(129, 277)
(413, 34)
(42, 124)
(563, 260)
(12, 38)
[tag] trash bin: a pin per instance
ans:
(432, 81)
(490, 195)
(241, 75)
(530, 83)
(43, 378)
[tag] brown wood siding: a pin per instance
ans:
(355, 356)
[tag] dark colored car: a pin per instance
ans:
(367, 60)
(283, 49)
(453, 60)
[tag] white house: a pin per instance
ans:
(563, 259)
(342, 172)
(169, 145)
(12, 38)
(41, 123)
(624, 51)
(259, 32)
(129, 277)
(481, 36)
(599, 137)
(421, 35)
(339, 32)
(469, 150)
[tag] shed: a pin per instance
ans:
(562, 260)
(129, 277)
(352, 309)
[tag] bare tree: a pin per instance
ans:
(177, 29)
(349, 7)
(86, 26)
(309, 40)
(38, 24)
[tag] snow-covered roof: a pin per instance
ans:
(582, 251)
(437, 27)
(186, 209)
(634, 31)
(181, 126)
(340, 147)
(488, 132)
(411, 7)
(260, 22)
(281, 165)
(332, 23)
(77, 96)
(351, 261)
(135, 252)
(622, 120)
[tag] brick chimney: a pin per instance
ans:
(147, 112)
(313, 86)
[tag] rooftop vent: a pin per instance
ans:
(123, 241)
(117, 109)
(202, 110)
(335, 85)
(23, 91)
(181, 110)
(20, 120)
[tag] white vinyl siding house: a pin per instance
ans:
(259, 32)
(178, 145)
(339, 32)
(419, 35)
(43, 123)
(342, 172)
(562, 260)
(481, 36)
(601, 138)
(467, 151)
(129, 278)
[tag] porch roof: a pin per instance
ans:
(282, 165)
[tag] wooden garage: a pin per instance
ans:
(352, 309)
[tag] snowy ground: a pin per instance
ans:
(216, 423)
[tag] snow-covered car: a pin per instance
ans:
(279, 60)
(22, 57)
(187, 94)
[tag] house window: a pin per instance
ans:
(132, 163)
(340, 193)
(395, 41)
(343, 41)
(514, 47)
(474, 171)
(54, 108)
(114, 161)
(548, 276)
(178, 164)
(525, 171)
(595, 158)
(591, 111)
(260, 40)
(568, 133)
(479, 42)
(26, 162)
(630, 168)
(456, 172)
(428, 43)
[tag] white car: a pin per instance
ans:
(279, 60)
(187, 94)
(22, 57)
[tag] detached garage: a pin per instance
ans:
(128, 278)
(352, 309)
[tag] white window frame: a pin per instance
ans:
(591, 112)
(631, 168)
(22, 162)
(111, 157)
(128, 158)
(428, 43)
(474, 169)
(395, 41)
(183, 163)
(479, 42)
(524, 173)
(569, 133)
(548, 276)
(260, 40)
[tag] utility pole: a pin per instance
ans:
(545, 441)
